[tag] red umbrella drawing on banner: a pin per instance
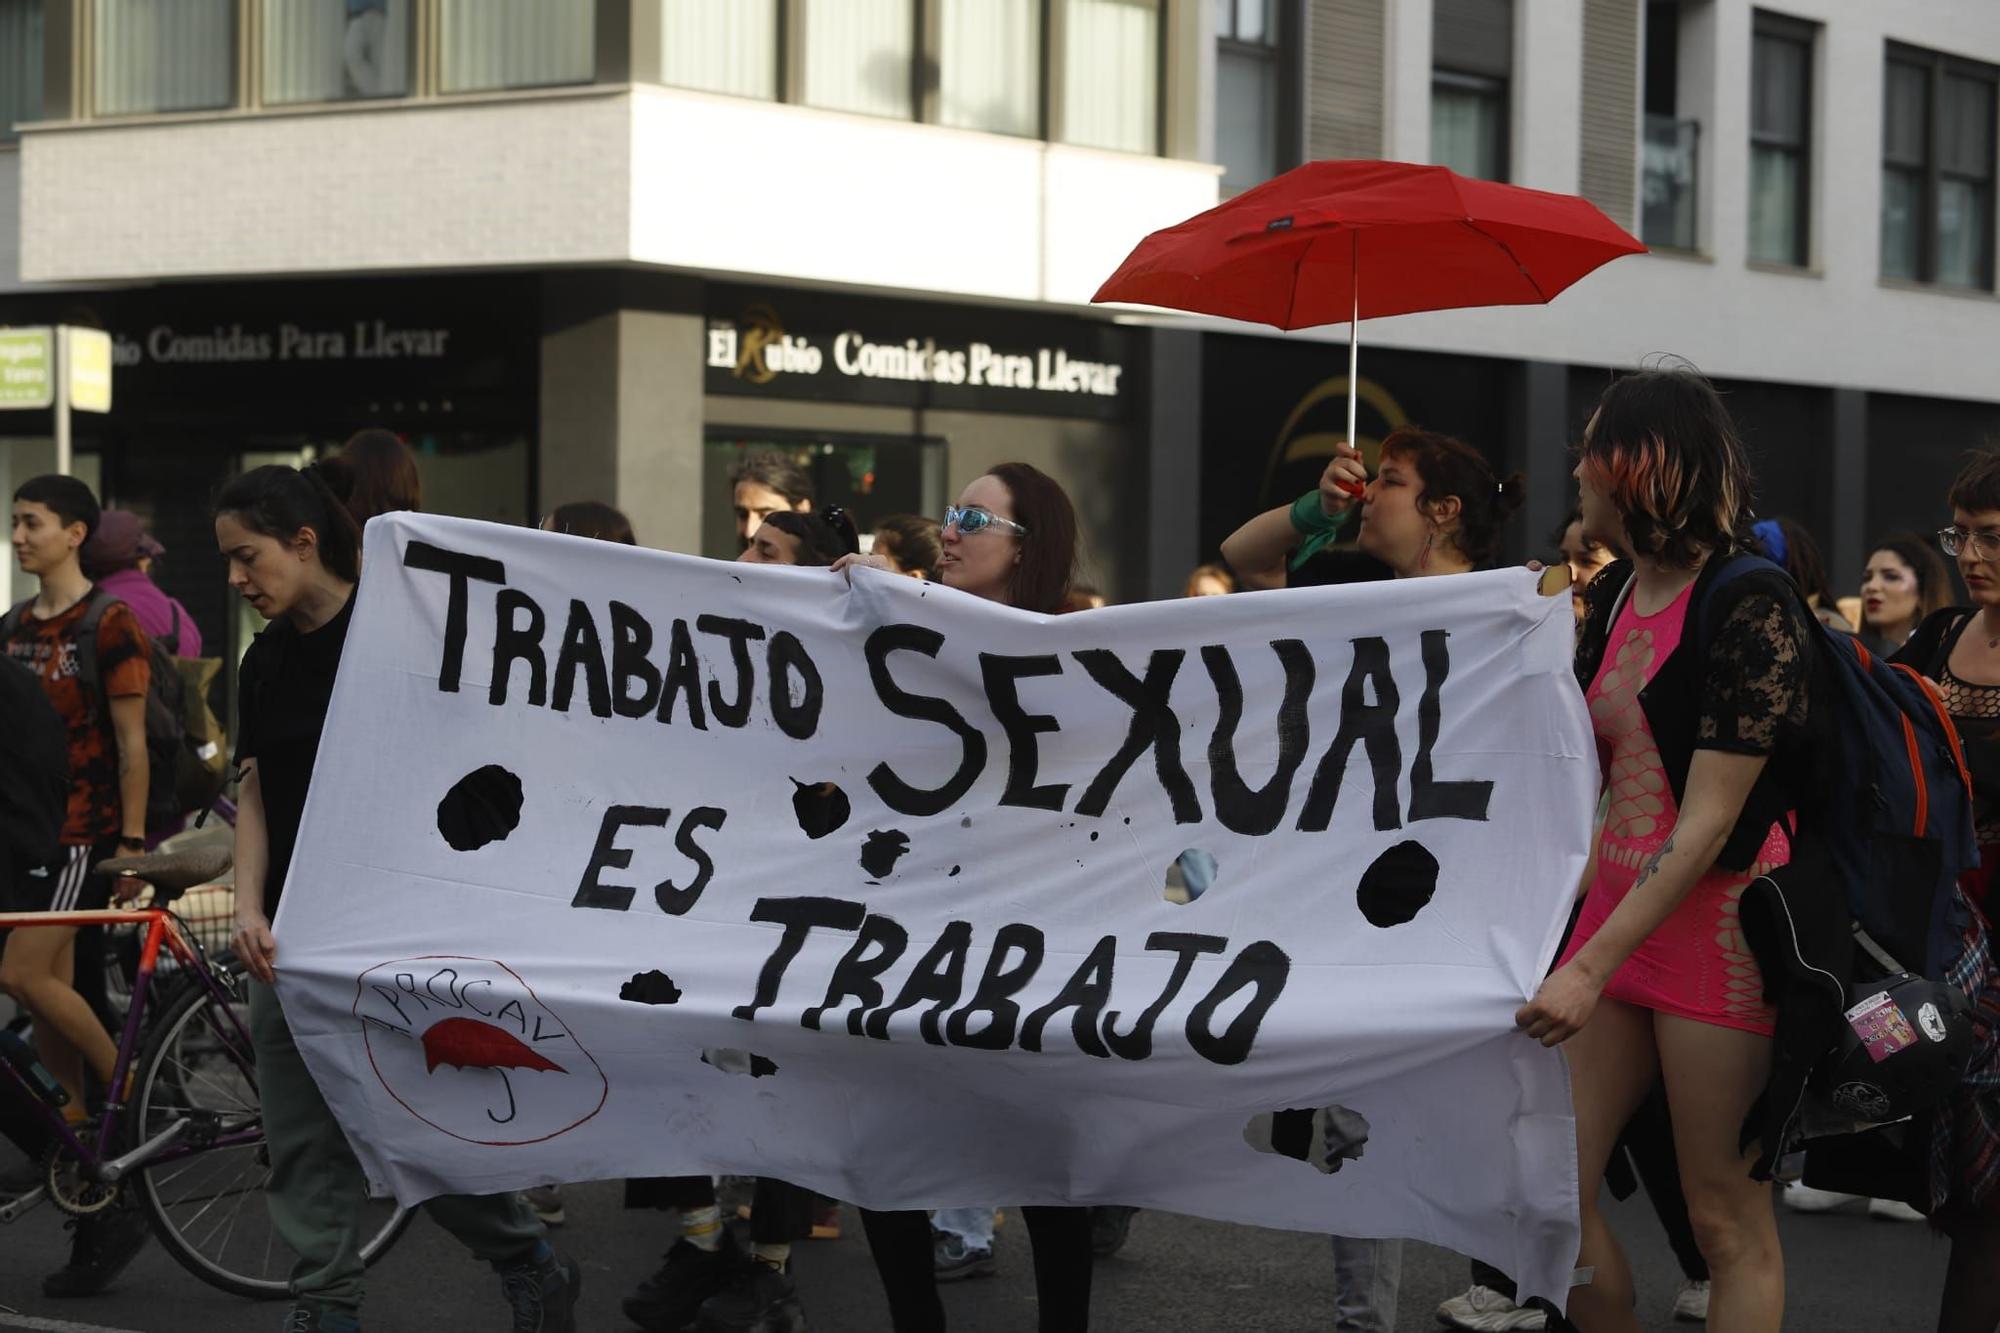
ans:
(467, 1043)
(1334, 242)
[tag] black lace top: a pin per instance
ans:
(1754, 683)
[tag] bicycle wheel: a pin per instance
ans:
(208, 1207)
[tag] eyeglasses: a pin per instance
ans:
(1984, 545)
(972, 519)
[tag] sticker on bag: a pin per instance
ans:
(1882, 1026)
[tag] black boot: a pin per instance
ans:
(669, 1300)
(103, 1244)
(758, 1299)
(542, 1290)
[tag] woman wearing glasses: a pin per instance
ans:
(1959, 649)
(1011, 538)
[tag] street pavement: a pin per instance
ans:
(1846, 1273)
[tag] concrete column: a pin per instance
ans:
(1547, 95)
(621, 409)
(1542, 454)
(1170, 438)
(1407, 84)
(1847, 471)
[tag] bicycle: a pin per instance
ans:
(181, 1121)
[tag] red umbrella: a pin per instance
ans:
(1334, 241)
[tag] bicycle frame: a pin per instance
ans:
(161, 931)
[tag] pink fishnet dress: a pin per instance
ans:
(1696, 964)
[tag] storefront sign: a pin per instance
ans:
(89, 369)
(26, 358)
(361, 340)
(947, 357)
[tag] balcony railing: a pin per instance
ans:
(1672, 156)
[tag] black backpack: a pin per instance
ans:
(176, 776)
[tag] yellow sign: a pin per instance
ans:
(89, 369)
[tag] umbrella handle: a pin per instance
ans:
(1353, 488)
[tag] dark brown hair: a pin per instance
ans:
(592, 518)
(775, 472)
(1976, 489)
(1040, 582)
(280, 502)
(1673, 465)
(911, 540)
(382, 474)
(1451, 467)
(1933, 578)
(823, 538)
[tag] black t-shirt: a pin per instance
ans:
(1337, 565)
(283, 690)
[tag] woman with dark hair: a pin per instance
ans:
(380, 474)
(1703, 749)
(1905, 581)
(1434, 507)
(1012, 539)
(293, 552)
(792, 537)
(591, 518)
(910, 541)
(1959, 649)
(1584, 557)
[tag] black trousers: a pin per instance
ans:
(779, 1213)
(906, 1261)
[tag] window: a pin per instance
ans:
(316, 52)
(516, 44)
(720, 46)
(1670, 158)
(1780, 139)
(1111, 74)
(1937, 169)
(164, 55)
(990, 65)
(1255, 104)
(20, 64)
(859, 56)
(1472, 44)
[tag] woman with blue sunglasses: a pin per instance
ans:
(1012, 539)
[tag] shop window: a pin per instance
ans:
(1256, 91)
(164, 55)
(316, 52)
(859, 55)
(20, 64)
(1472, 43)
(990, 66)
(490, 44)
(1780, 139)
(720, 46)
(871, 477)
(1111, 74)
(1937, 169)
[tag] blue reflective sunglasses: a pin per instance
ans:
(972, 519)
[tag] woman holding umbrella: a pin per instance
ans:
(1435, 507)
(1657, 984)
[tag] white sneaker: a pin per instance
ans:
(1484, 1310)
(1691, 1301)
(1806, 1199)
(1893, 1210)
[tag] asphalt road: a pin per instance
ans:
(1847, 1273)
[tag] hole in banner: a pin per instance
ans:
(1190, 875)
(1325, 1139)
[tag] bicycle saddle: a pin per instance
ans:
(171, 872)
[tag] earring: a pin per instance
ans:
(1424, 560)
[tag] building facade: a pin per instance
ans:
(598, 248)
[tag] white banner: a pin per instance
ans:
(619, 863)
